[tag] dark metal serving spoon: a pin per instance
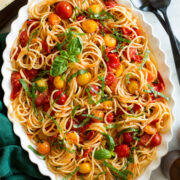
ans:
(161, 5)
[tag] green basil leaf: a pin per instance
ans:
(103, 154)
(75, 46)
(112, 126)
(146, 55)
(127, 78)
(91, 101)
(92, 116)
(130, 159)
(59, 66)
(111, 141)
(84, 122)
(60, 45)
(25, 86)
(73, 58)
(36, 152)
(77, 73)
(71, 174)
(74, 110)
(128, 130)
(104, 53)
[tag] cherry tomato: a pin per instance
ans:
(34, 22)
(60, 97)
(126, 31)
(144, 139)
(119, 112)
(110, 79)
(159, 86)
(23, 39)
(80, 18)
(122, 150)
(93, 89)
(87, 151)
(30, 74)
(16, 85)
(64, 10)
(133, 56)
(42, 98)
(127, 138)
(156, 140)
(136, 107)
(114, 60)
(51, 84)
(110, 4)
(17, 53)
(46, 107)
(43, 147)
(153, 123)
(110, 117)
(46, 47)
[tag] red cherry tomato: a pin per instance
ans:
(122, 150)
(17, 53)
(80, 17)
(126, 31)
(60, 97)
(42, 98)
(156, 140)
(16, 85)
(136, 107)
(114, 61)
(110, 117)
(103, 29)
(153, 123)
(110, 4)
(119, 112)
(64, 10)
(23, 39)
(50, 84)
(133, 56)
(93, 89)
(159, 86)
(110, 79)
(30, 74)
(46, 47)
(87, 151)
(127, 138)
(144, 139)
(34, 22)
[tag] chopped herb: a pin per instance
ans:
(25, 86)
(63, 77)
(128, 78)
(36, 152)
(144, 59)
(31, 37)
(34, 97)
(92, 116)
(128, 130)
(84, 122)
(97, 177)
(104, 53)
(112, 126)
(111, 141)
(74, 110)
(102, 99)
(77, 73)
(71, 174)
(91, 101)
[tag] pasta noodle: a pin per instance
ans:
(87, 91)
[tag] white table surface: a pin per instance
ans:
(174, 17)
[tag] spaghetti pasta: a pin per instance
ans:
(87, 91)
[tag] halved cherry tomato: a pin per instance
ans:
(42, 98)
(144, 139)
(110, 79)
(159, 86)
(87, 151)
(30, 74)
(110, 117)
(136, 107)
(60, 97)
(16, 85)
(156, 140)
(127, 137)
(32, 21)
(114, 61)
(93, 89)
(80, 18)
(46, 47)
(23, 39)
(133, 56)
(64, 10)
(122, 150)
(110, 3)
(17, 53)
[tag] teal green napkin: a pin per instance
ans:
(14, 161)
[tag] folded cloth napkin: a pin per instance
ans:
(14, 161)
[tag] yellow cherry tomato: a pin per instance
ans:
(54, 19)
(133, 86)
(107, 104)
(84, 79)
(150, 130)
(89, 26)
(96, 8)
(72, 138)
(42, 83)
(120, 70)
(58, 82)
(85, 168)
(43, 147)
(98, 114)
(110, 41)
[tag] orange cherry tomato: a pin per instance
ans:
(43, 147)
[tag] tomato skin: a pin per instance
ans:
(23, 39)
(16, 85)
(64, 10)
(127, 137)
(42, 98)
(122, 150)
(110, 117)
(136, 107)
(110, 4)
(95, 88)
(62, 97)
(126, 31)
(160, 86)
(87, 151)
(80, 18)
(133, 56)
(114, 61)
(153, 123)
(144, 139)
(156, 140)
(31, 21)
(119, 112)
(17, 53)
(110, 79)
(90, 135)
(46, 47)
(30, 74)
